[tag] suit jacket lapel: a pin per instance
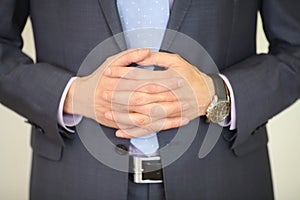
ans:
(109, 9)
(178, 12)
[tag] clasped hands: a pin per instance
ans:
(138, 101)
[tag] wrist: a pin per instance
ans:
(68, 104)
(80, 98)
(210, 92)
(219, 108)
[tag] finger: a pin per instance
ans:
(122, 134)
(106, 106)
(157, 110)
(190, 113)
(157, 126)
(136, 73)
(132, 119)
(162, 110)
(127, 57)
(148, 86)
(101, 120)
(154, 88)
(161, 59)
(137, 98)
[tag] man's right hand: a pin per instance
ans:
(86, 94)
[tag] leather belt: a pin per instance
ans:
(146, 169)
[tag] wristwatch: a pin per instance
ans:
(219, 108)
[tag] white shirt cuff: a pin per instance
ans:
(231, 120)
(66, 120)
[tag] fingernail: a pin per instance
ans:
(107, 71)
(108, 115)
(180, 83)
(185, 106)
(119, 133)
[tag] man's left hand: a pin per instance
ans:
(155, 104)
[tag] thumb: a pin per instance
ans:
(160, 59)
(127, 57)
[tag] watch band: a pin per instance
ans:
(219, 85)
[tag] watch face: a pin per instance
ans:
(218, 112)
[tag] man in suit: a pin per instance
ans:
(65, 32)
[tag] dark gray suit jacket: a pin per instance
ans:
(66, 31)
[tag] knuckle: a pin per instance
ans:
(156, 111)
(152, 88)
(143, 109)
(136, 99)
(171, 97)
(140, 121)
(176, 108)
(133, 101)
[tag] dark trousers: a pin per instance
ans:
(153, 191)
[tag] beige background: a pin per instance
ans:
(15, 152)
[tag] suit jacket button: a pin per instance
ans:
(121, 149)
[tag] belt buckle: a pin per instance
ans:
(138, 169)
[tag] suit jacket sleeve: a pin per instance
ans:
(266, 84)
(32, 90)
